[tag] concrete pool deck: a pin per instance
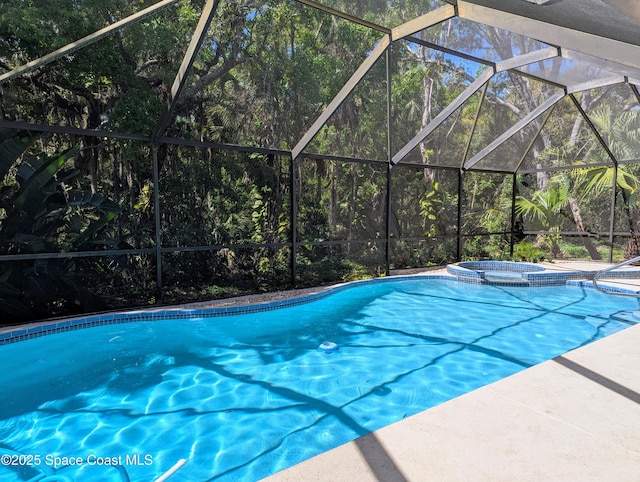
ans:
(575, 417)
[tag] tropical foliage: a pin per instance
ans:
(44, 214)
(230, 212)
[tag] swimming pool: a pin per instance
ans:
(243, 396)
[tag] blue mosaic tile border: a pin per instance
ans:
(609, 288)
(508, 266)
(28, 332)
(23, 333)
(475, 271)
(533, 275)
(551, 278)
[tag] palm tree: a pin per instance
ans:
(622, 135)
(547, 208)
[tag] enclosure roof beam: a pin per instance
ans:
(551, 52)
(467, 146)
(443, 115)
(345, 16)
(357, 76)
(540, 78)
(541, 109)
(425, 21)
(528, 58)
(595, 45)
(508, 64)
(447, 50)
(607, 65)
(533, 140)
(594, 129)
(187, 63)
(594, 84)
(83, 42)
(612, 73)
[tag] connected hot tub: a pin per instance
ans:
(509, 273)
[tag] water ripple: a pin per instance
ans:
(241, 397)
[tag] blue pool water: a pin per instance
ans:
(243, 396)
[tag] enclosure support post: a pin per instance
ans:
(294, 221)
(459, 226)
(387, 249)
(612, 215)
(156, 216)
(514, 186)
(387, 246)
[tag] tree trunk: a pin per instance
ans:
(632, 249)
(426, 118)
(588, 243)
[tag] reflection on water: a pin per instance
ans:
(241, 397)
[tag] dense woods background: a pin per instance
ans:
(82, 218)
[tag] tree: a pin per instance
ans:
(622, 135)
(547, 208)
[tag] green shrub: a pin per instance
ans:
(574, 251)
(356, 272)
(527, 251)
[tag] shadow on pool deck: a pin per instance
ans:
(599, 379)
(575, 417)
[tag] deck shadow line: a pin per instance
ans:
(599, 379)
(378, 459)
